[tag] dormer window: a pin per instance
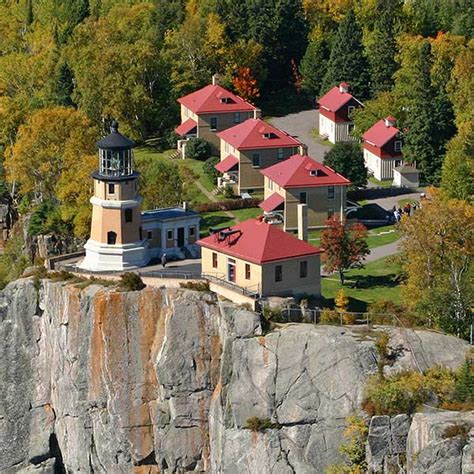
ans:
(269, 135)
(226, 100)
(398, 145)
(317, 173)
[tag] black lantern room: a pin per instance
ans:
(115, 155)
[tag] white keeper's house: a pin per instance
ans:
(335, 109)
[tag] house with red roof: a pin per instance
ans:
(303, 180)
(256, 259)
(210, 110)
(249, 147)
(382, 145)
(335, 109)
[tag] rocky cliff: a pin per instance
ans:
(162, 380)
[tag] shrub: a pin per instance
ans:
(272, 314)
(356, 434)
(210, 170)
(228, 192)
(348, 318)
(457, 430)
(441, 380)
(131, 282)
(14, 260)
(464, 388)
(329, 316)
(387, 312)
(198, 149)
(259, 424)
(195, 285)
(62, 275)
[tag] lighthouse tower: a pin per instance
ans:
(116, 241)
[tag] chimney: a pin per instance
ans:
(215, 79)
(185, 206)
(257, 113)
(343, 87)
(303, 149)
(390, 121)
(303, 222)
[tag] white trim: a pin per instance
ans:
(95, 201)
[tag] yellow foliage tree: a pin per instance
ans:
(52, 159)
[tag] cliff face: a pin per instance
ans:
(165, 380)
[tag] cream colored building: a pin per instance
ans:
(210, 110)
(256, 259)
(248, 148)
(302, 180)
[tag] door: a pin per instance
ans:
(180, 236)
(231, 272)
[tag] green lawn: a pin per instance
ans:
(317, 138)
(377, 281)
(383, 184)
(221, 219)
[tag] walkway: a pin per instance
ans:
(300, 126)
(382, 251)
(213, 198)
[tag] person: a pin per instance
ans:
(163, 260)
(408, 208)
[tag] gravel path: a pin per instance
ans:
(300, 126)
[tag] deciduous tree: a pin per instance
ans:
(345, 246)
(348, 160)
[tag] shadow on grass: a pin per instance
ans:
(212, 221)
(370, 211)
(370, 281)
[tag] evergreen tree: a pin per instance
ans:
(347, 61)
(464, 389)
(64, 84)
(348, 160)
(313, 65)
(381, 45)
(29, 12)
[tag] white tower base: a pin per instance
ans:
(102, 257)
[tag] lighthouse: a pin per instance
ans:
(116, 241)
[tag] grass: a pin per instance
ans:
(221, 219)
(380, 184)
(377, 281)
(317, 138)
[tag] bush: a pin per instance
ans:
(14, 260)
(457, 430)
(210, 170)
(198, 149)
(259, 424)
(387, 312)
(329, 316)
(272, 314)
(464, 388)
(195, 285)
(348, 319)
(131, 282)
(227, 205)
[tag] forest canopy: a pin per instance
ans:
(130, 60)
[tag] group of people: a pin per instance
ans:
(408, 209)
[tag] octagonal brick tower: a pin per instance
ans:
(115, 241)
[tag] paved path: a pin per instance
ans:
(382, 251)
(300, 126)
(388, 202)
(213, 198)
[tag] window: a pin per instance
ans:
(111, 238)
(128, 215)
(247, 271)
(149, 235)
(169, 234)
(398, 145)
(330, 192)
(140, 233)
(213, 124)
(278, 273)
(270, 185)
(256, 160)
(214, 260)
(350, 109)
(280, 154)
(302, 198)
(226, 147)
(398, 163)
(192, 231)
(330, 212)
(236, 117)
(111, 188)
(350, 128)
(303, 269)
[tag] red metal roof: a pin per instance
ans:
(226, 164)
(185, 127)
(214, 98)
(302, 171)
(256, 133)
(272, 202)
(259, 242)
(334, 99)
(379, 134)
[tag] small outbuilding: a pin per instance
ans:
(406, 176)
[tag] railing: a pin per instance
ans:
(251, 291)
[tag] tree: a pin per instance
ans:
(437, 255)
(458, 166)
(313, 64)
(210, 170)
(464, 388)
(245, 84)
(348, 160)
(345, 246)
(198, 149)
(160, 183)
(52, 159)
(347, 61)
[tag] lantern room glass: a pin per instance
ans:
(116, 163)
